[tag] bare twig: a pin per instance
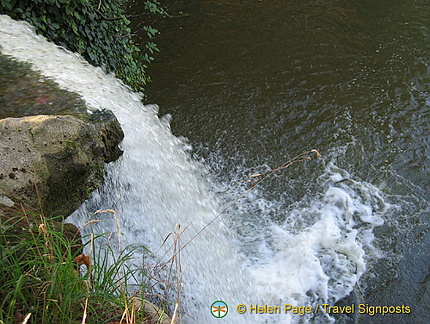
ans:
(118, 229)
(26, 318)
(84, 316)
(106, 18)
(174, 314)
(299, 158)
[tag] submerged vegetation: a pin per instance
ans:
(96, 29)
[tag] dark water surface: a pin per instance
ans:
(253, 83)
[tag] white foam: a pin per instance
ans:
(153, 187)
(317, 253)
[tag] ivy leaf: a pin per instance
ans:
(75, 25)
(75, 28)
(69, 10)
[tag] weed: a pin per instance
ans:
(41, 280)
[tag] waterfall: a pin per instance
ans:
(318, 253)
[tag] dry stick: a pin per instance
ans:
(42, 226)
(90, 284)
(26, 318)
(39, 200)
(174, 314)
(118, 229)
(165, 264)
(179, 272)
(133, 310)
(90, 267)
(125, 314)
(299, 158)
(178, 302)
(172, 261)
(176, 239)
(165, 240)
(31, 232)
(84, 316)
(92, 222)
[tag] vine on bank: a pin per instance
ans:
(96, 29)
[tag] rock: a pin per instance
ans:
(110, 132)
(5, 201)
(25, 92)
(52, 152)
(153, 313)
(55, 161)
(63, 154)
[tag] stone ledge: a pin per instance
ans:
(61, 156)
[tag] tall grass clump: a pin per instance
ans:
(38, 277)
(45, 278)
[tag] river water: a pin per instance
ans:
(254, 83)
(251, 84)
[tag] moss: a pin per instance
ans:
(71, 145)
(45, 97)
(67, 193)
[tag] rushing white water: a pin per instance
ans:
(316, 255)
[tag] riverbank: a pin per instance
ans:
(45, 277)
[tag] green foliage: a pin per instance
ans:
(39, 276)
(96, 29)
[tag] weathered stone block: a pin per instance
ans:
(61, 156)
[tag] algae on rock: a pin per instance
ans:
(48, 141)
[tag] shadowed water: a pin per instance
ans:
(347, 78)
(253, 83)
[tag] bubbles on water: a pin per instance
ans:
(321, 249)
(262, 250)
